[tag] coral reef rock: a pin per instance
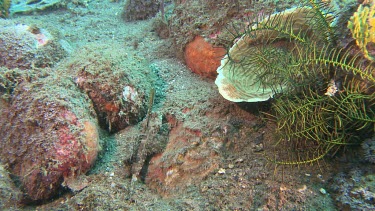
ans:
(116, 83)
(23, 46)
(48, 135)
(187, 159)
(368, 147)
(203, 58)
(354, 189)
(9, 194)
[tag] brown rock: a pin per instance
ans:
(187, 159)
(117, 85)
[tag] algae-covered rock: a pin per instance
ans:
(187, 159)
(368, 147)
(9, 194)
(140, 9)
(23, 46)
(354, 189)
(117, 82)
(49, 135)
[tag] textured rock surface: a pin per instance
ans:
(140, 9)
(185, 161)
(48, 135)
(23, 46)
(117, 83)
(368, 147)
(354, 189)
(9, 194)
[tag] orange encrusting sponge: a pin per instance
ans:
(203, 58)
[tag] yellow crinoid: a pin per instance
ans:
(362, 27)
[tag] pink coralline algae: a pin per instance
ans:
(48, 136)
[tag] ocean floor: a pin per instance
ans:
(198, 151)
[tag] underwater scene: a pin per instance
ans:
(187, 105)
